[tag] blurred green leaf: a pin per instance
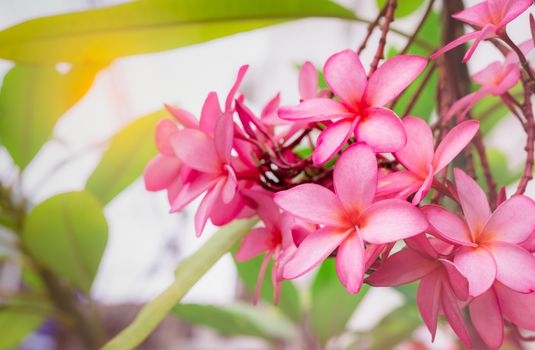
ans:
(149, 26)
(238, 320)
(32, 99)
(15, 325)
(68, 233)
(289, 298)
(127, 155)
(404, 7)
(395, 328)
(499, 167)
(331, 306)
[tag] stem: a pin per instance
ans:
(187, 273)
(489, 179)
(370, 29)
(521, 57)
(527, 109)
(389, 17)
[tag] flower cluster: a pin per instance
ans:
(341, 175)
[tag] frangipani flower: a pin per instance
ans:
(442, 287)
(488, 242)
(490, 17)
(360, 109)
(349, 217)
(421, 160)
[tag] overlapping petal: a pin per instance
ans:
(346, 77)
(350, 263)
(382, 130)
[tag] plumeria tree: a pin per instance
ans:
(358, 184)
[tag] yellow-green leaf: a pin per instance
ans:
(15, 325)
(403, 7)
(149, 26)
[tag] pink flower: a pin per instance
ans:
(490, 17)
(420, 159)
(488, 242)
(442, 288)
(488, 310)
(349, 218)
(360, 109)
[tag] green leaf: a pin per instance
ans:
(289, 298)
(149, 26)
(127, 155)
(332, 306)
(68, 233)
(404, 7)
(238, 320)
(32, 99)
(17, 325)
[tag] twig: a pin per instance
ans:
(489, 179)
(418, 91)
(530, 129)
(371, 27)
(389, 17)
(419, 27)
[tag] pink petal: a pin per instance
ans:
(164, 131)
(266, 208)
(450, 305)
(308, 81)
(184, 117)
(518, 307)
(477, 15)
(447, 225)
(457, 42)
(210, 113)
(315, 109)
(390, 220)
(513, 221)
(404, 267)
(234, 88)
(428, 299)
(331, 140)
(488, 31)
(489, 74)
(346, 77)
(224, 137)
(261, 274)
(382, 130)
(355, 178)
(478, 266)
(515, 266)
(508, 80)
(269, 112)
(205, 207)
(419, 149)
(487, 319)
(235, 209)
(456, 280)
(473, 201)
(422, 244)
(230, 187)
(161, 171)
(313, 250)
(197, 150)
(454, 142)
(192, 190)
(256, 242)
(514, 9)
(463, 105)
(426, 186)
(350, 263)
(313, 203)
(392, 77)
(397, 182)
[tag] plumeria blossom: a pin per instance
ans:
(442, 288)
(360, 107)
(490, 17)
(349, 217)
(496, 79)
(421, 160)
(487, 242)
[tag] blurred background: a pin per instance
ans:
(145, 242)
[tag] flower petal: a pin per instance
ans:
(313, 203)
(315, 109)
(346, 77)
(457, 42)
(350, 263)
(235, 209)
(184, 117)
(398, 182)
(192, 190)
(382, 130)
(210, 113)
(164, 131)
(390, 220)
(447, 225)
(197, 150)
(473, 201)
(256, 242)
(426, 186)
(160, 172)
(403, 267)
(487, 319)
(206, 206)
(513, 221)
(488, 31)
(392, 77)
(456, 280)
(477, 15)
(428, 300)
(450, 305)
(234, 88)
(315, 248)
(454, 142)
(513, 10)
(419, 149)
(308, 81)
(331, 140)
(518, 307)
(355, 178)
(515, 266)
(224, 137)
(478, 266)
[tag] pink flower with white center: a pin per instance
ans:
(495, 80)
(360, 109)
(421, 160)
(442, 288)
(488, 310)
(275, 239)
(488, 242)
(491, 17)
(349, 217)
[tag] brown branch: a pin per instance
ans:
(389, 17)
(487, 174)
(527, 109)
(371, 27)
